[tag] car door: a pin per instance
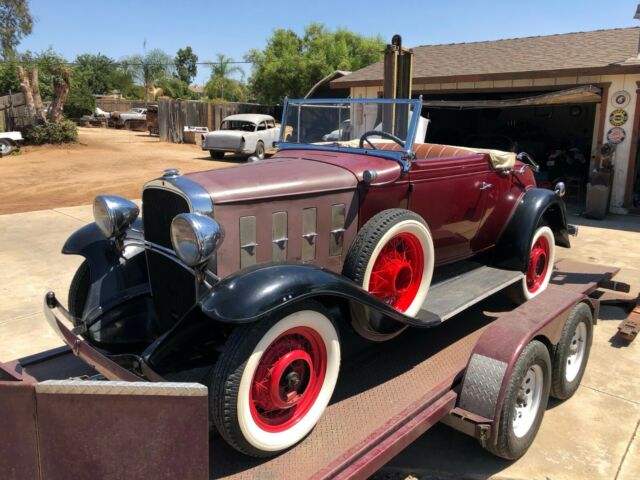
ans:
(454, 196)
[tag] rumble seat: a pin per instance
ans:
(498, 158)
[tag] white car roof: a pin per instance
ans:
(248, 117)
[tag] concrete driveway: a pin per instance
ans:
(594, 435)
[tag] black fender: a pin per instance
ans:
(256, 292)
(512, 249)
(119, 288)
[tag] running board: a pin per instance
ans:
(452, 296)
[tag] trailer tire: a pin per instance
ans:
(79, 290)
(542, 253)
(525, 401)
(259, 414)
(571, 354)
(381, 239)
(216, 155)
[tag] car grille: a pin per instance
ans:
(172, 286)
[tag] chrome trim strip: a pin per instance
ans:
(248, 241)
(338, 216)
(279, 231)
(309, 233)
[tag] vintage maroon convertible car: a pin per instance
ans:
(242, 277)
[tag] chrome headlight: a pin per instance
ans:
(114, 215)
(195, 237)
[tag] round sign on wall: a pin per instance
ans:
(620, 99)
(616, 135)
(618, 117)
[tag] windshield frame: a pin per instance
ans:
(403, 157)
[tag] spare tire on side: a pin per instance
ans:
(392, 257)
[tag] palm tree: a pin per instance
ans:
(149, 68)
(221, 72)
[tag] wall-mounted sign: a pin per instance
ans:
(618, 117)
(620, 99)
(616, 135)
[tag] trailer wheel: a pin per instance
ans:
(215, 154)
(392, 257)
(275, 378)
(571, 353)
(542, 254)
(79, 290)
(525, 401)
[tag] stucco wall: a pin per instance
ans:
(618, 82)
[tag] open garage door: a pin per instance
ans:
(556, 128)
(570, 96)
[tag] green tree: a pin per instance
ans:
(80, 100)
(186, 65)
(291, 64)
(9, 78)
(15, 22)
(221, 84)
(97, 71)
(175, 88)
(149, 68)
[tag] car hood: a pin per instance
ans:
(274, 178)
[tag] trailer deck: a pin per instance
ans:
(387, 395)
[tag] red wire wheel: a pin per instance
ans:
(397, 272)
(539, 258)
(288, 379)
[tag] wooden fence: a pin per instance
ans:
(174, 115)
(119, 104)
(14, 113)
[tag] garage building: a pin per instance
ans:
(558, 97)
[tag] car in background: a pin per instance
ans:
(9, 141)
(129, 119)
(242, 134)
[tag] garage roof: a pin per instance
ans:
(596, 52)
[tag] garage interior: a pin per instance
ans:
(555, 128)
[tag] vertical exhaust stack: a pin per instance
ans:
(398, 71)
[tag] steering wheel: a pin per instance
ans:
(378, 133)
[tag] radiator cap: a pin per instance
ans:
(171, 172)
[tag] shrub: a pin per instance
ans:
(64, 132)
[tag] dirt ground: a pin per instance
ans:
(110, 161)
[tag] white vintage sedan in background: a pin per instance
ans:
(242, 134)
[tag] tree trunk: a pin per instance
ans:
(61, 83)
(37, 99)
(25, 85)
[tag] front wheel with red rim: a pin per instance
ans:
(540, 263)
(274, 379)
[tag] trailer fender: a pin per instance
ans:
(116, 277)
(256, 292)
(498, 348)
(512, 250)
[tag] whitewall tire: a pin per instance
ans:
(275, 379)
(392, 258)
(542, 254)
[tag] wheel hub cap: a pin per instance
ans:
(538, 264)
(397, 271)
(288, 379)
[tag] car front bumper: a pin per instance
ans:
(80, 348)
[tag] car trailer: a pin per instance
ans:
(59, 422)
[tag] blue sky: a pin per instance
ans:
(118, 28)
